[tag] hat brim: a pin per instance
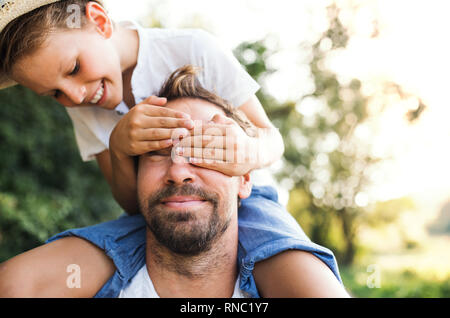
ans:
(6, 82)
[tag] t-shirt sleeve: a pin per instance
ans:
(221, 72)
(88, 143)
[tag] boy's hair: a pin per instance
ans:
(28, 32)
(183, 83)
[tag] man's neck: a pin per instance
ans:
(210, 274)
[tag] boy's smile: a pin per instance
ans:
(100, 94)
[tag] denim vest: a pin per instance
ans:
(265, 229)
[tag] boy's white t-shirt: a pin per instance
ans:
(161, 52)
(141, 286)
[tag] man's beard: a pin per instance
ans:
(185, 233)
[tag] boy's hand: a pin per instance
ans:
(220, 145)
(148, 126)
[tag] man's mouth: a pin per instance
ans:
(99, 94)
(183, 202)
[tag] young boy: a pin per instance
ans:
(104, 74)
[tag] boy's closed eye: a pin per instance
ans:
(75, 69)
(73, 72)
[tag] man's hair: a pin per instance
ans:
(27, 33)
(183, 83)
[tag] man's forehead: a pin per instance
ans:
(197, 108)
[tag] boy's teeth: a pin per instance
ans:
(98, 96)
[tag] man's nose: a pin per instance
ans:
(179, 172)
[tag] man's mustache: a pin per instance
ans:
(184, 190)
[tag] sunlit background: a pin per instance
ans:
(410, 49)
(397, 53)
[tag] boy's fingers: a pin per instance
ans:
(210, 129)
(157, 111)
(203, 153)
(206, 163)
(155, 134)
(157, 145)
(204, 141)
(165, 122)
(155, 100)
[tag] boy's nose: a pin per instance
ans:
(77, 94)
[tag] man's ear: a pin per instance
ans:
(245, 187)
(97, 15)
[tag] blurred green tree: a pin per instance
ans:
(45, 188)
(328, 171)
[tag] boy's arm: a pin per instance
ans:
(296, 274)
(124, 191)
(269, 137)
(69, 267)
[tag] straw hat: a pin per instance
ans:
(12, 9)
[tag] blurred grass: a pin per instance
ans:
(395, 284)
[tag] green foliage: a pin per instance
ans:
(387, 212)
(326, 165)
(326, 178)
(45, 188)
(395, 284)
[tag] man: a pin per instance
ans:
(191, 227)
(191, 216)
